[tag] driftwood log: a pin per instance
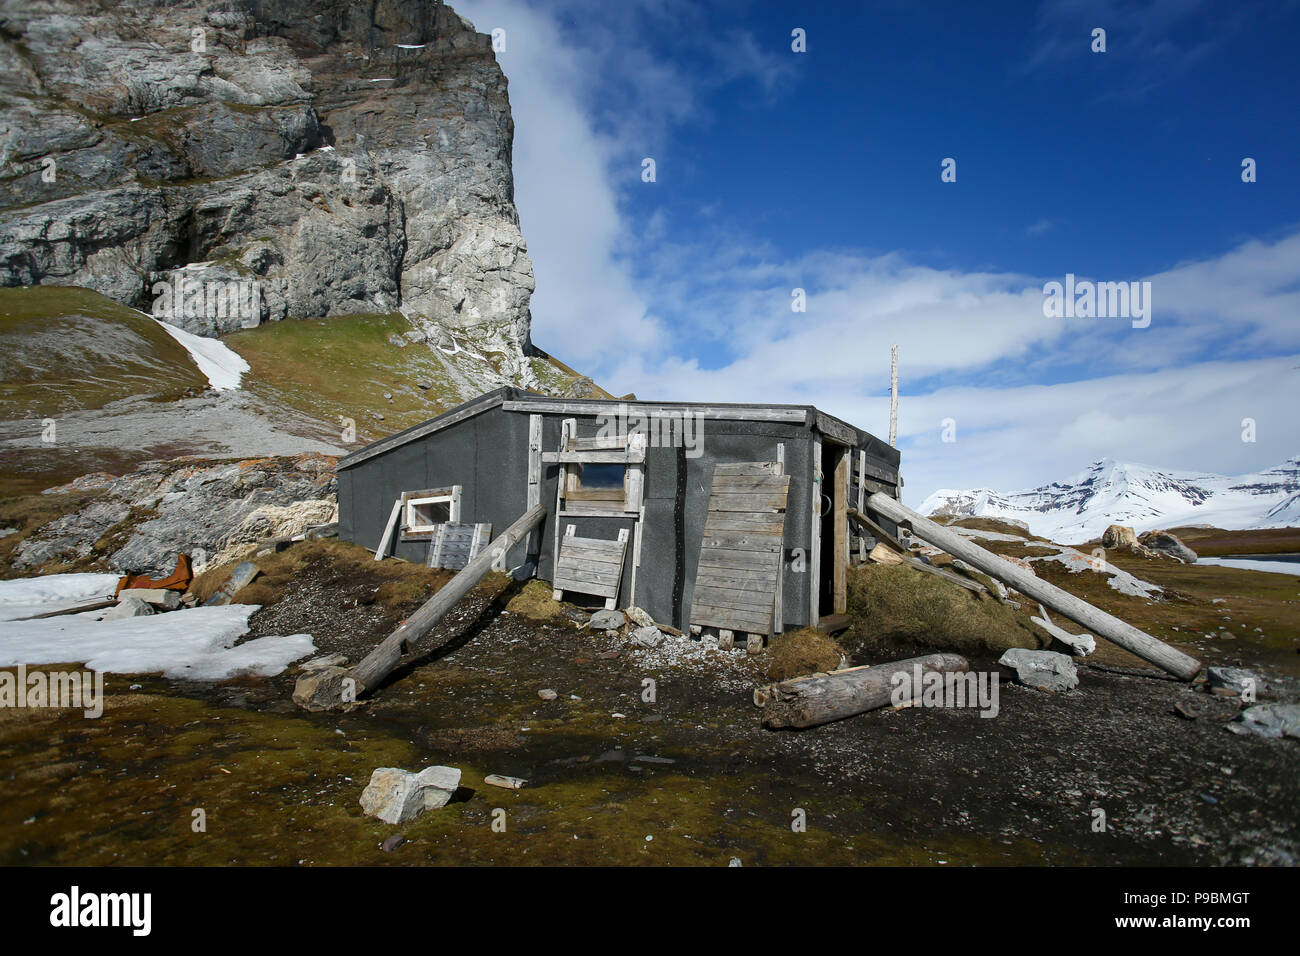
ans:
(1081, 612)
(821, 698)
(334, 687)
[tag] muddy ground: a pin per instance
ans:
(688, 777)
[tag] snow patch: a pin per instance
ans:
(190, 644)
(223, 366)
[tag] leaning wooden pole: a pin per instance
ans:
(335, 686)
(1081, 612)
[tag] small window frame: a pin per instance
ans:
(411, 500)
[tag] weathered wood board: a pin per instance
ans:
(740, 553)
(590, 565)
(455, 545)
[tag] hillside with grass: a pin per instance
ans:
(68, 349)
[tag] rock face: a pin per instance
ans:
(141, 520)
(335, 158)
(398, 796)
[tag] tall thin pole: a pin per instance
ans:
(893, 396)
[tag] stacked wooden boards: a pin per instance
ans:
(737, 581)
(455, 545)
(590, 566)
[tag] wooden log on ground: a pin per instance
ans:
(325, 690)
(821, 698)
(1081, 612)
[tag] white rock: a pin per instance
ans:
(398, 796)
(128, 606)
(649, 636)
(1043, 670)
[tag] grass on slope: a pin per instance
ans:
(342, 368)
(64, 348)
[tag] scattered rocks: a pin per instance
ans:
(1272, 721)
(1042, 670)
(606, 620)
(399, 796)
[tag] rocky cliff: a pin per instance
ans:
(340, 158)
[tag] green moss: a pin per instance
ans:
(899, 610)
(65, 348)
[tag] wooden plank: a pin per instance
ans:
(584, 586)
(598, 548)
(876, 530)
(598, 443)
(741, 521)
(840, 542)
(593, 457)
(741, 541)
(753, 468)
(730, 618)
(534, 482)
(386, 541)
(756, 503)
(744, 600)
(836, 430)
(748, 560)
(815, 557)
(589, 408)
(724, 577)
(597, 494)
(738, 484)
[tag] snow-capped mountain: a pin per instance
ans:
(1112, 492)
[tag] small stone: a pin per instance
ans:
(607, 655)
(321, 662)
(640, 617)
(504, 782)
(1042, 670)
(607, 620)
(649, 636)
(393, 842)
(547, 694)
(1186, 709)
(1233, 680)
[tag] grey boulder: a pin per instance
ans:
(1042, 670)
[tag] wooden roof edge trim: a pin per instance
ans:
(460, 413)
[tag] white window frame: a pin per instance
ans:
(413, 499)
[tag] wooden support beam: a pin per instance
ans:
(1097, 621)
(326, 689)
(821, 698)
(840, 541)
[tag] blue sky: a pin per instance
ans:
(821, 170)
